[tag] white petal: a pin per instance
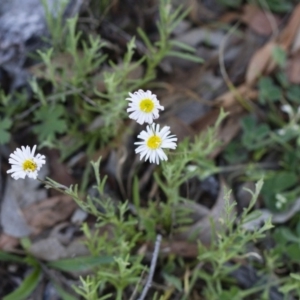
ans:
(17, 159)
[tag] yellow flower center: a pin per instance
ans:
(29, 165)
(146, 105)
(154, 142)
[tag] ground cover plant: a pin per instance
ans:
(152, 153)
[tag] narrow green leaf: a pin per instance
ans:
(62, 293)
(4, 256)
(295, 276)
(136, 193)
(183, 46)
(185, 56)
(5, 125)
(79, 264)
(145, 39)
(27, 286)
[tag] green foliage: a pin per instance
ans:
(5, 125)
(190, 160)
(79, 96)
(80, 264)
(276, 185)
(276, 6)
(254, 136)
(279, 56)
(168, 21)
(75, 65)
(27, 286)
(288, 242)
(232, 239)
(292, 285)
(115, 238)
(268, 90)
(50, 122)
(278, 133)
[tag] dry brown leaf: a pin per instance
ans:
(49, 212)
(58, 171)
(260, 62)
(209, 119)
(8, 242)
(179, 248)
(288, 34)
(198, 12)
(293, 68)
(178, 127)
(258, 20)
(230, 17)
(229, 98)
(227, 132)
(296, 43)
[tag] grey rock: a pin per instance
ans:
(22, 27)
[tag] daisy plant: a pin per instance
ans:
(153, 142)
(24, 163)
(144, 108)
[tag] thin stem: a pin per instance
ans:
(51, 185)
(152, 267)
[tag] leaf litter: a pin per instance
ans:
(194, 95)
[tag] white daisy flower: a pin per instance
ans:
(143, 107)
(153, 142)
(24, 162)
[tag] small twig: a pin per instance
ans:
(224, 73)
(152, 267)
(270, 18)
(132, 297)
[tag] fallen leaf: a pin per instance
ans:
(51, 249)
(296, 43)
(293, 68)
(198, 12)
(259, 20)
(230, 17)
(227, 132)
(179, 248)
(260, 62)
(45, 214)
(48, 249)
(178, 127)
(288, 34)
(58, 171)
(203, 226)
(229, 98)
(209, 119)
(200, 35)
(8, 242)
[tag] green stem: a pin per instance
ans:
(52, 186)
(119, 294)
